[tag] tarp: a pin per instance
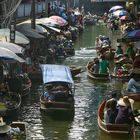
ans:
(27, 26)
(56, 73)
(13, 47)
(19, 37)
(6, 54)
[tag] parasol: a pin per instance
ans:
(61, 21)
(115, 8)
(6, 54)
(120, 13)
(19, 37)
(13, 47)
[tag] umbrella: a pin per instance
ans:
(27, 25)
(61, 21)
(6, 54)
(131, 36)
(13, 47)
(47, 21)
(120, 13)
(125, 18)
(19, 37)
(29, 32)
(115, 8)
(134, 34)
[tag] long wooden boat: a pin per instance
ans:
(75, 70)
(112, 129)
(95, 76)
(10, 104)
(57, 75)
(134, 95)
(18, 130)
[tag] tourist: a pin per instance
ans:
(119, 50)
(107, 106)
(112, 111)
(103, 65)
(95, 67)
(130, 51)
(48, 95)
(133, 85)
(4, 129)
(118, 69)
(98, 44)
(125, 114)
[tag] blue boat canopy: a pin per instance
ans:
(56, 73)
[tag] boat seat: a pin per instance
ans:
(120, 127)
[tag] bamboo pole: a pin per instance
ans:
(33, 14)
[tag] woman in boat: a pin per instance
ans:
(110, 108)
(4, 129)
(103, 65)
(112, 111)
(48, 94)
(118, 69)
(95, 67)
(125, 114)
(133, 85)
(130, 51)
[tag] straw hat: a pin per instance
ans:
(3, 127)
(125, 101)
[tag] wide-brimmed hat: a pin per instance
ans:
(125, 101)
(3, 127)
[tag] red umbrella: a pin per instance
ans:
(125, 18)
(60, 20)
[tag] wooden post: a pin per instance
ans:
(33, 15)
(12, 29)
(46, 7)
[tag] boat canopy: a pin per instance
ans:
(56, 73)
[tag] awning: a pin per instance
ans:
(56, 73)
(19, 37)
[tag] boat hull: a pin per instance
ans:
(134, 95)
(22, 128)
(75, 70)
(112, 129)
(90, 74)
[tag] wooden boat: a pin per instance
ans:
(57, 75)
(95, 76)
(18, 130)
(134, 95)
(112, 129)
(75, 70)
(10, 104)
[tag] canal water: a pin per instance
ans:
(88, 96)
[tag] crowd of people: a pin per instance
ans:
(56, 93)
